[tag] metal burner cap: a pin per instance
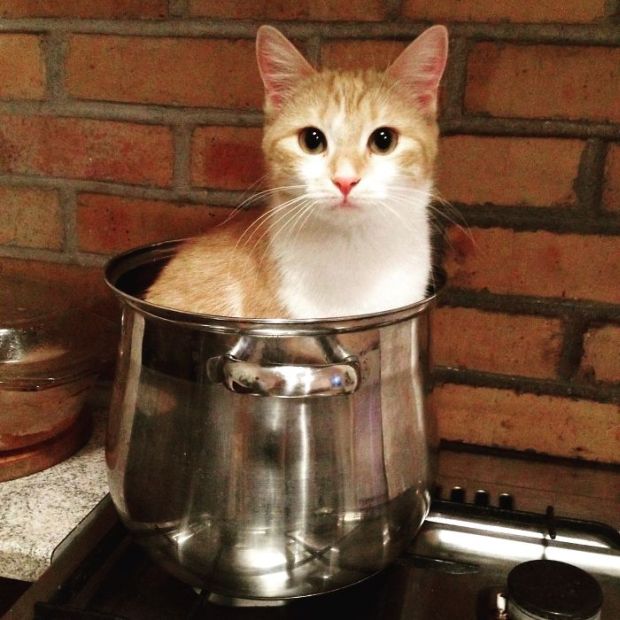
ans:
(549, 590)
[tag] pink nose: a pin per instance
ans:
(345, 184)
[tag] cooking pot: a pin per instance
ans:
(267, 458)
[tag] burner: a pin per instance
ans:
(549, 590)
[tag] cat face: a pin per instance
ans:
(337, 144)
(345, 142)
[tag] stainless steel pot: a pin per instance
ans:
(267, 458)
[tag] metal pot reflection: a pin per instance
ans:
(266, 458)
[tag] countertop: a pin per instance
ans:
(38, 511)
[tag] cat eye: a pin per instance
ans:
(312, 140)
(382, 140)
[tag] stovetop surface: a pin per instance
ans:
(455, 569)
(136, 588)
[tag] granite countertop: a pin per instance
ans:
(38, 511)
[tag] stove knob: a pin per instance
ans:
(481, 498)
(457, 494)
(506, 501)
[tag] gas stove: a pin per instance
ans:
(477, 560)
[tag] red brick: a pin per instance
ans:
(503, 343)
(108, 224)
(611, 189)
(526, 11)
(22, 69)
(544, 81)
(174, 71)
(360, 54)
(85, 149)
(85, 283)
(320, 10)
(508, 171)
(30, 218)
(105, 9)
(227, 157)
(545, 424)
(535, 263)
(601, 359)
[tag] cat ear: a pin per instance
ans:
(280, 64)
(420, 67)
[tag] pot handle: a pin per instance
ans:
(285, 380)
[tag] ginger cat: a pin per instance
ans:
(346, 231)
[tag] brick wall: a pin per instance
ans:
(124, 122)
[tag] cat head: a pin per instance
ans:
(343, 141)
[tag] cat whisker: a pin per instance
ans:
(432, 194)
(449, 207)
(246, 201)
(249, 232)
(440, 215)
(464, 228)
(448, 211)
(255, 184)
(284, 220)
(268, 192)
(256, 225)
(280, 213)
(295, 216)
(276, 211)
(250, 200)
(303, 218)
(407, 225)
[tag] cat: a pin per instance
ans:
(346, 230)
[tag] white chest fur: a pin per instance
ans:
(354, 268)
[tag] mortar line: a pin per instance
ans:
(571, 352)
(40, 254)
(68, 203)
(529, 455)
(578, 34)
(182, 135)
(313, 50)
(561, 220)
(393, 9)
(542, 387)
(456, 77)
(54, 45)
(178, 8)
(591, 175)
(213, 197)
(134, 112)
(530, 127)
(530, 305)
(79, 259)
(612, 10)
(168, 115)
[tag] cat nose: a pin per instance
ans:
(345, 184)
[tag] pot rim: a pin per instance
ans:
(125, 262)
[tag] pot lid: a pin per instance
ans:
(45, 338)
